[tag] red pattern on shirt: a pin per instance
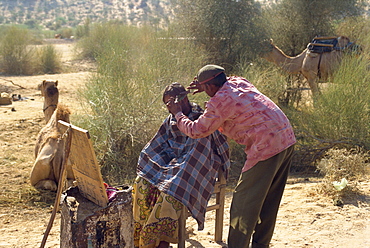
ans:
(244, 114)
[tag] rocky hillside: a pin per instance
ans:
(56, 14)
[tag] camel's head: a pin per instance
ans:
(268, 44)
(49, 88)
(268, 47)
(343, 41)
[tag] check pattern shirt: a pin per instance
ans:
(183, 167)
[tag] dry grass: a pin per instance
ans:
(342, 163)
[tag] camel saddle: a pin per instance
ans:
(325, 44)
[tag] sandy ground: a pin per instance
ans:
(305, 219)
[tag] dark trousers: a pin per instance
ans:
(256, 201)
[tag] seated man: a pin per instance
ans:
(175, 170)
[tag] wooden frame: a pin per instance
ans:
(85, 165)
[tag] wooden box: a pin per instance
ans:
(85, 224)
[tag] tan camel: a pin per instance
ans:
(49, 150)
(311, 65)
(50, 93)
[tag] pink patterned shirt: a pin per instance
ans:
(244, 114)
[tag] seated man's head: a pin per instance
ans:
(177, 91)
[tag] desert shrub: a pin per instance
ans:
(49, 59)
(16, 55)
(99, 37)
(83, 30)
(66, 33)
(348, 165)
(354, 27)
(124, 98)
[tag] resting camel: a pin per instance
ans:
(311, 65)
(49, 149)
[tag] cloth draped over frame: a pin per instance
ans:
(183, 167)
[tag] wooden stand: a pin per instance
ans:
(85, 224)
(87, 218)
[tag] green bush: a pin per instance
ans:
(83, 30)
(66, 33)
(100, 37)
(229, 30)
(49, 60)
(124, 98)
(16, 54)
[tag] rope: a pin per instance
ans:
(52, 105)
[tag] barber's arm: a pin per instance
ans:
(205, 125)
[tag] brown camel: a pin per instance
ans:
(50, 93)
(312, 65)
(49, 149)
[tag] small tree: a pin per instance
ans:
(83, 30)
(16, 55)
(49, 59)
(229, 30)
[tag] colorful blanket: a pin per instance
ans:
(183, 167)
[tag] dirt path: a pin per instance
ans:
(305, 218)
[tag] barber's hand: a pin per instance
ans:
(195, 85)
(173, 107)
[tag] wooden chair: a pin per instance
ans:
(219, 191)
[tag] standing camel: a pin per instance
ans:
(50, 144)
(312, 65)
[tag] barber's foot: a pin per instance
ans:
(163, 244)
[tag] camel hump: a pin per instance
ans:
(63, 112)
(324, 44)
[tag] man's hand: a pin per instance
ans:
(173, 107)
(195, 85)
